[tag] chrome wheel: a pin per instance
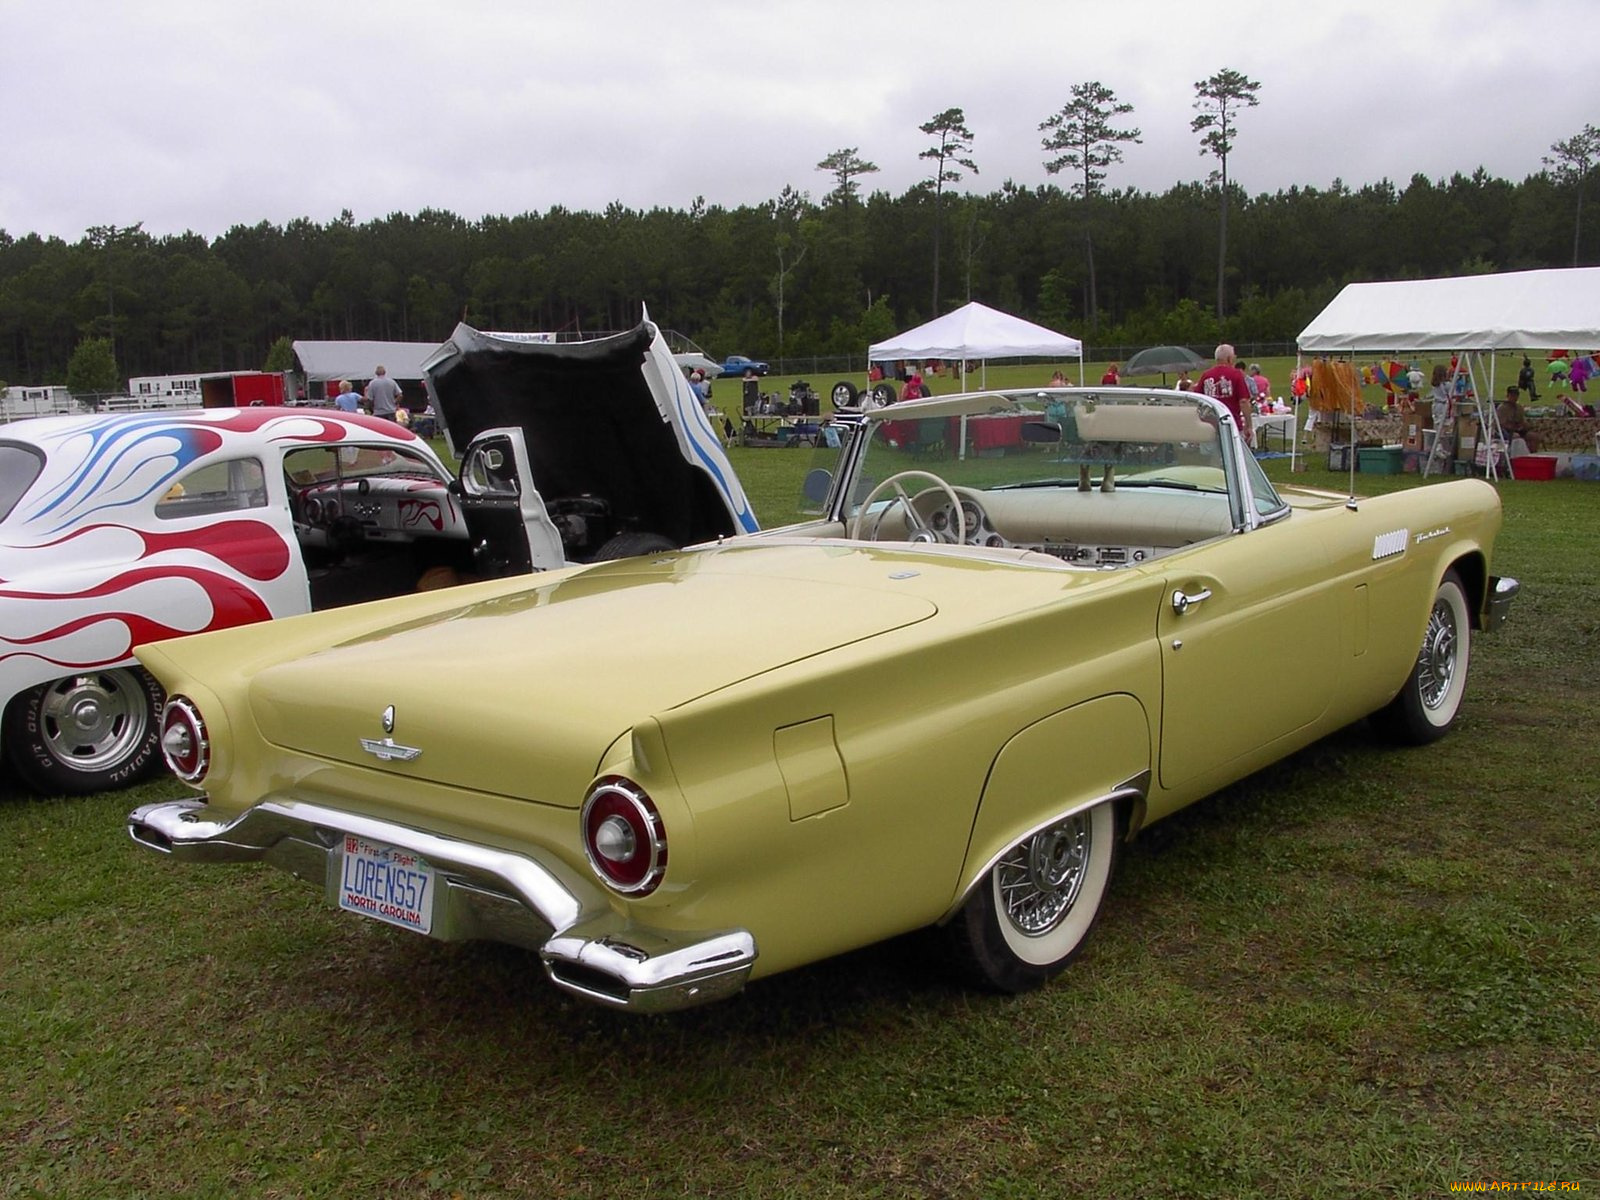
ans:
(1038, 881)
(1031, 914)
(85, 732)
(1436, 664)
(1427, 704)
(91, 722)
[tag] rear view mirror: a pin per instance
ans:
(1043, 433)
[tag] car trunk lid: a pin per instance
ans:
(504, 696)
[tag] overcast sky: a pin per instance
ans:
(203, 114)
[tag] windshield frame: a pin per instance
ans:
(1252, 500)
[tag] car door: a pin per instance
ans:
(1249, 635)
(506, 518)
(234, 510)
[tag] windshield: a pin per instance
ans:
(1100, 478)
(1054, 440)
(322, 464)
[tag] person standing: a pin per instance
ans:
(1441, 397)
(701, 386)
(1264, 385)
(347, 399)
(1225, 382)
(383, 394)
(1111, 378)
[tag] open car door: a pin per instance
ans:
(600, 445)
(506, 518)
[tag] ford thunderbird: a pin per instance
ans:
(1022, 627)
(120, 529)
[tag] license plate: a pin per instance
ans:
(387, 884)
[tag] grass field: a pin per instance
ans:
(1362, 972)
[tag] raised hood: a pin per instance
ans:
(612, 418)
(520, 695)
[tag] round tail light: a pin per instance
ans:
(624, 837)
(183, 740)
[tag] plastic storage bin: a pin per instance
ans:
(1381, 460)
(1534, 466)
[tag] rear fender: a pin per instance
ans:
(1071, 760)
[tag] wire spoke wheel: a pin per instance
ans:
(1430, 699)
(1436, 664)
(1029, 917)
(1038, 881)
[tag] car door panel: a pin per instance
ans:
(1250, 653)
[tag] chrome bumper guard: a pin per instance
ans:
(1502, 591)
(484, 893)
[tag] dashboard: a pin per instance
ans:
(1094, 529)
(386, 508)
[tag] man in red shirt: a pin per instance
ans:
(1225, 382)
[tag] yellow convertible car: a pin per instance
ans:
(1023, 626)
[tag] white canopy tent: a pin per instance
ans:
(327, 361)
(1469, 315)
(978, 331)
(1521, 310)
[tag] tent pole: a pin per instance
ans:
(1294, 419)
(1350, 446)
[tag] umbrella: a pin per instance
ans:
(1162, 359)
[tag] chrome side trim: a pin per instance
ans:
(1502, 591)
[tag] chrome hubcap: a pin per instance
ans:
(1436, 664)
(93, 721)
(1039, 880)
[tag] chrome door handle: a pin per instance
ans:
(1181, 600)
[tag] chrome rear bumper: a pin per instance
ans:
(485, 893)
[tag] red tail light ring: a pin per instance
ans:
(183, 740)
(624, 837)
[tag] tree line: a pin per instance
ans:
(796, 277)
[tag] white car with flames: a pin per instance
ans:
(118, 530)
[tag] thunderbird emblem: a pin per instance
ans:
(389, 750)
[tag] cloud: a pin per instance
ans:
(191, 116)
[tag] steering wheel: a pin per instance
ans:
(345, 536)
(913, 517)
